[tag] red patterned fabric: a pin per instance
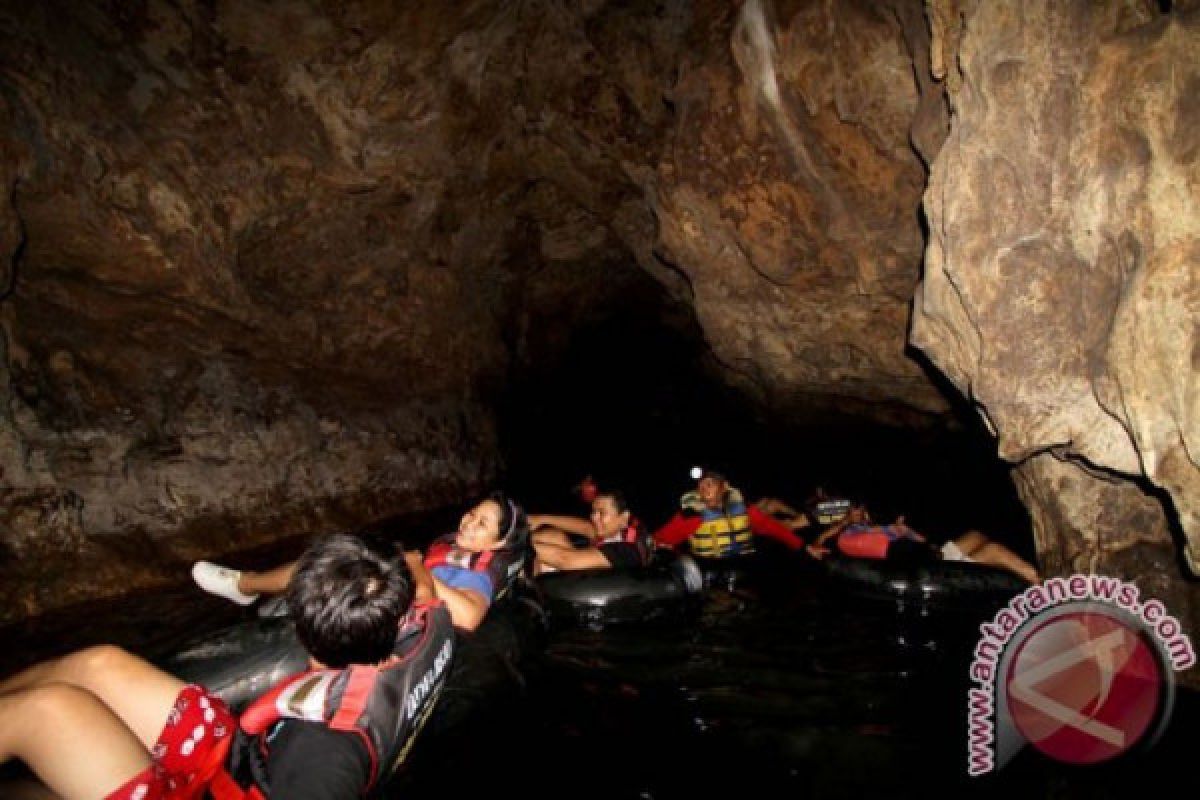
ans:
(189, 751)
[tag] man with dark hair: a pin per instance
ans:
(346, 605)
(103, 722)
(715, 521)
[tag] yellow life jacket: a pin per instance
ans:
(724, 531)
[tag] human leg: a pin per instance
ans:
(111, 699)
(998, 555)
(273, 581)
(70, 739)
(241, 586)
(977, 547)
(138, 693)
(970, 542)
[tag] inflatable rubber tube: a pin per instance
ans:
(941, 583)
(598, 597)
(243, 661)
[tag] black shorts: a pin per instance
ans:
(910, 552)
(622, 555)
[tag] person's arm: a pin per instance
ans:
(796, 520)
(829, 533)
(579, 525)
(676, 531)
(832, 531)
(766, 525)
(569, 558)
(819, 549)
(902, 529)
(467, 597)
(423, 586)
(773, 505)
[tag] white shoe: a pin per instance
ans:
(221, 581)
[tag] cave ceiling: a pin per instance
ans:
(360, 201)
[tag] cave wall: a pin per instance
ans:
(1060, 287)
(271, 266)
(251, 290)
(267, 260)
(788, 198)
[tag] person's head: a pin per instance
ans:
(610, 512)
(711, 487)
(347, 601)
(496, 521)
(858, 515)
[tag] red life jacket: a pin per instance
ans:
(873, 541)
(384, 705)
(501, 565)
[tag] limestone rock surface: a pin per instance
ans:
(1061, 290)
(786, 198)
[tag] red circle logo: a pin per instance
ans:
(1084, 687)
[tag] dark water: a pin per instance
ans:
(782, 686)
(785, 688)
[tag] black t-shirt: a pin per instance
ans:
(310, 762)
(622, 555)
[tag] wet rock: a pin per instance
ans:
(1091, 522)
(213, 230)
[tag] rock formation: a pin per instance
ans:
(1060, 288)
(786, 199)
(272, 267)
(267, 260)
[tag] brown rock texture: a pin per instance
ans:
(1087, 521)
(786, 198)
(1060, 288)
(270, 267)
(244, 293)
(259, 261)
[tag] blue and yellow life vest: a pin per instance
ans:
(723, 532)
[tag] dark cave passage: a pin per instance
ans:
(635, 399)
